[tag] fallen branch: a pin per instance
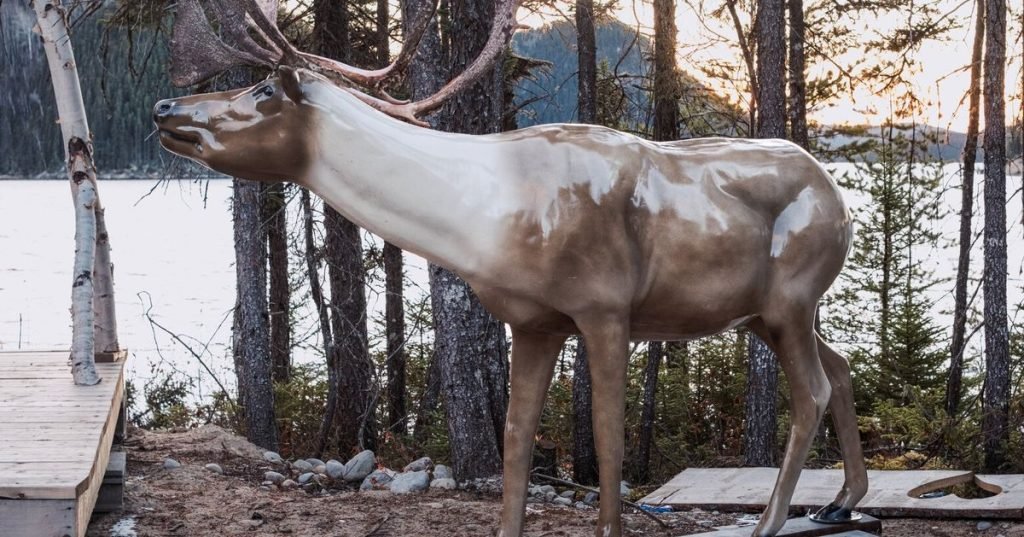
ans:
(568, 483)
(378, 526)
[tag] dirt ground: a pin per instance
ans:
(192, 501)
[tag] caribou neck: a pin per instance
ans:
(428, 192)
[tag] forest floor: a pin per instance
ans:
(195, 502)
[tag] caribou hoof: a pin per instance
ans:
(833, 514)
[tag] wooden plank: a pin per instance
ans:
(37, 518)
(803, 527)
(87, 499)
(889, 492)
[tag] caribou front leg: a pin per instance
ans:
(837, 367)
(607, 343)
(794, 341)
(533, 362)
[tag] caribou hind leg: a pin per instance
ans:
(837, 367)
(790, 332)
(533, 362)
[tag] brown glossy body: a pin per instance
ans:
(568, 229)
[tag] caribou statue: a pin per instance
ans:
(560, 230)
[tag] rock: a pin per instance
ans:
(559, 500)
(170, 464)
(550, 496)
(548, 488)
(265, 488)
(335, 470)
(984, 525)
(315, 462)
(320, 469)
(272, 457)
(302, 466)
(581, 505)
(274, 477)
(624, 489)
(419, 465)
(214, 467)
(534, 499)
(442, 472)
(407, 482)
(446, 483)
(591, 498)
(306, 478)
(568, 494)
(377, 480)
(288, 484)
(360, 466)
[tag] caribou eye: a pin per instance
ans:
(265, 91)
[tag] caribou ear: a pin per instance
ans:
(290, 82)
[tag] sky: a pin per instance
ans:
(941, 79)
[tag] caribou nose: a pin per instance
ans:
(162, 110)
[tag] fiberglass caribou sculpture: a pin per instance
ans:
(560, 230)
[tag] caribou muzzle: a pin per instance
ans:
(169, 120)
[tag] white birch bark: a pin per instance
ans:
(52, 27)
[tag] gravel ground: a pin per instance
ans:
(195, 502)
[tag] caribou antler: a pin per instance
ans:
(199, 53)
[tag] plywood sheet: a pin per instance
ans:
(888, 495)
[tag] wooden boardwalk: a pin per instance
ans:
(55, 442)
(890, 493)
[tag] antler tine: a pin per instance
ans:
(502, 28)
(266, 23)
(372, 78)
(233, 24)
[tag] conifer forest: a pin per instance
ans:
(916, 108)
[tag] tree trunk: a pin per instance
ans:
(324, 318)
(761, 416)
(763, 369)
(394, 312)
(92, 297)
(276, 219)
(995, 418)
(353, 370)
(797, 80)
(771, 69)
(354, 416)
(963, 268)
(251, 343)
(471, 348)
(641, 468)
(748, 60)
(426, 75)
(666, 79)
(584, 456)
(586, 58)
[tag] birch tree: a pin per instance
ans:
(94, 327)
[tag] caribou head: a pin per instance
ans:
(258, 133)
(559, 229)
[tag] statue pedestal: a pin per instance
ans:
(866, 526)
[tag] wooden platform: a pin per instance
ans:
(55, 442)
(805, 527)
(891, 493)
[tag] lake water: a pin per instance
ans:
(173, 255)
